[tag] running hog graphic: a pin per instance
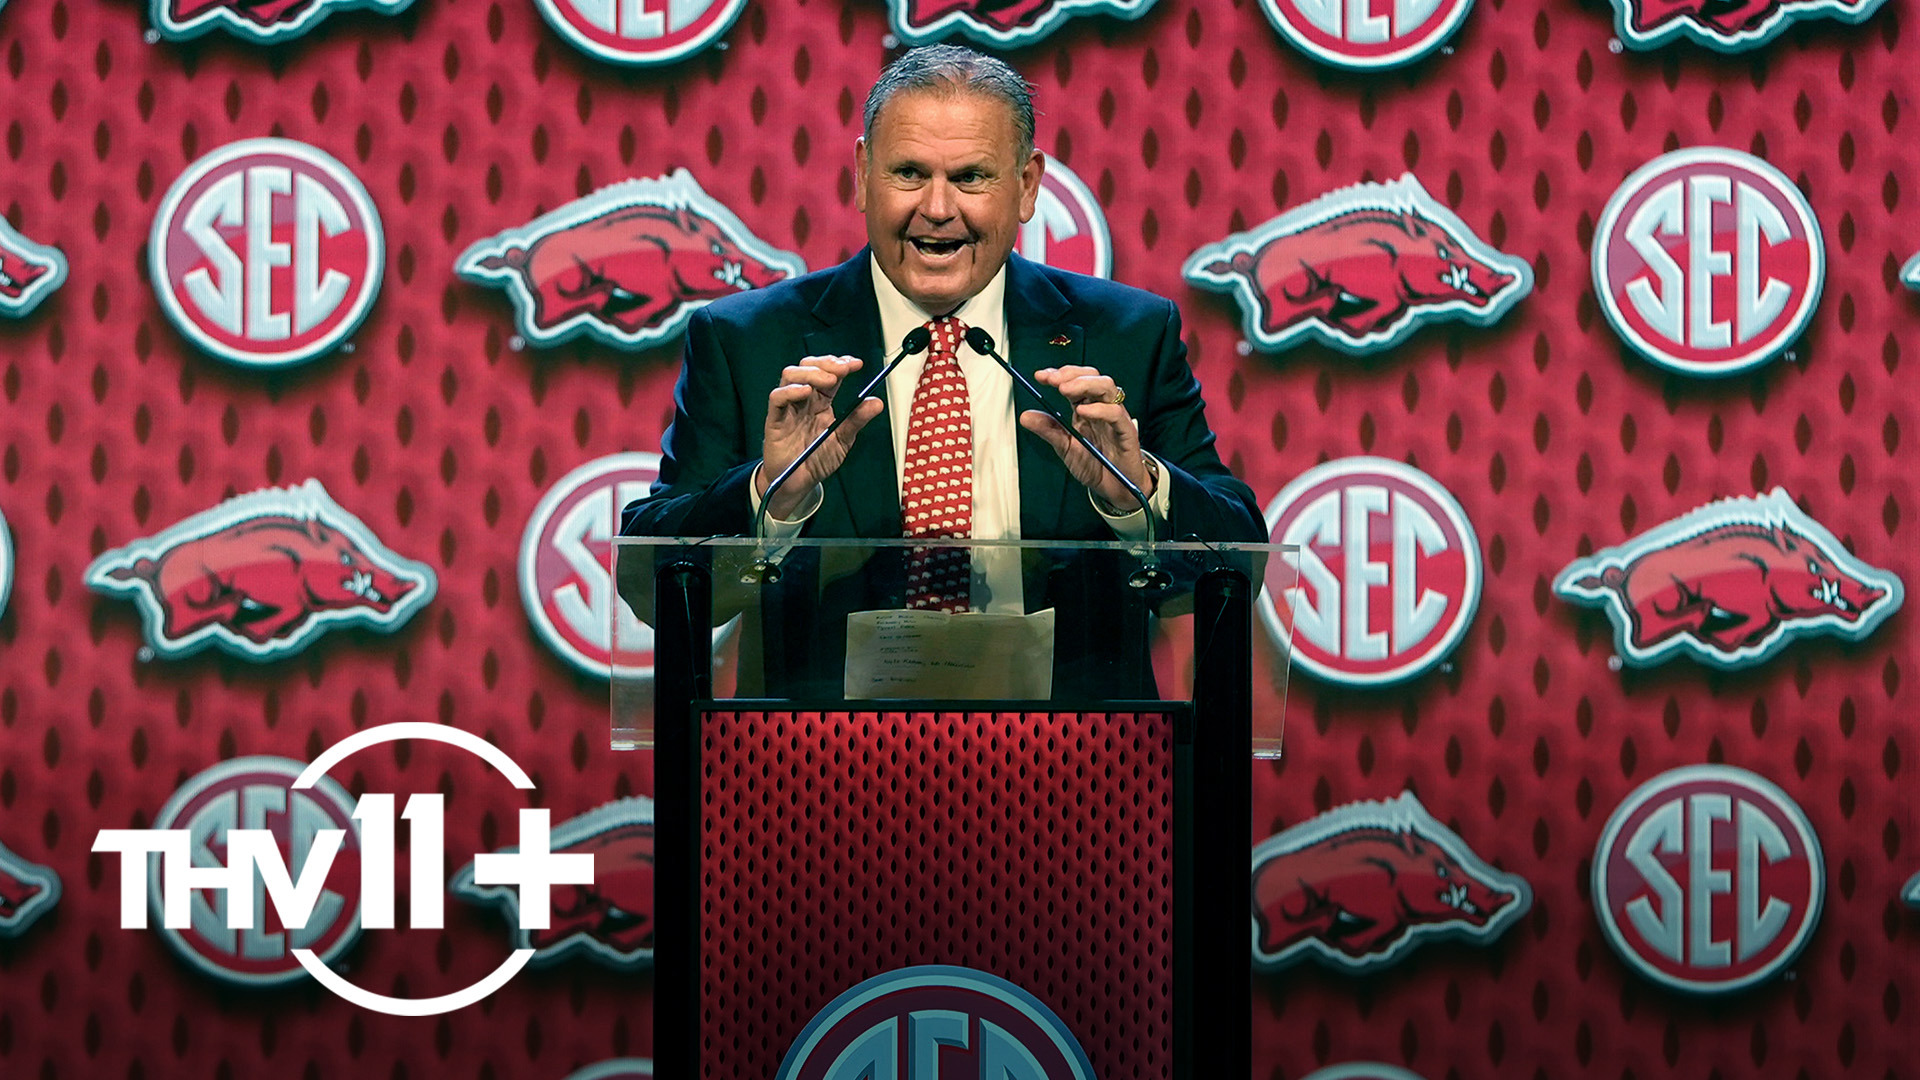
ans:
(14, 894)
(262, 574)
(263, 578)
(617, 909)
(257, 12)
(1360, 268)
(27, 891)
(1360, 885)
(1732, 581)
(1729, 25)
(1001, 23)
(610, 919)
(16, 273)
(629, 264)
(28, 271)
(1001, 15)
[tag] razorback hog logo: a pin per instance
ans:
(1726, 25)
(1362, 885)
(628, 264)
(27, 891)
(998, 22)
(262, 575)
(262, 21)
(1731, 584)
(28, 272)
(610, 920)
(1360, 268)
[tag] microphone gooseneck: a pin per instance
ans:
(763, 569)
(1150, 575)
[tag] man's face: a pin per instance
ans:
(944, 192)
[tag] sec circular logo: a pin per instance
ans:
(1708, 879)
(1708, 261)
(640, 32)
(1362, 1070)
(1364, 35)
(936, 1022)
(258, 793)
(566, 564)
(6, 563)
(266, 253)
(1388, 571)
(1068, 230)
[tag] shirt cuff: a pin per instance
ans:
(773, 528)
(1134, 526)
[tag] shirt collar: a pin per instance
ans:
(986, 309)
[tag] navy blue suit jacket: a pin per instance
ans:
(737, 346)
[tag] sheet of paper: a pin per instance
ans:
(930, 654)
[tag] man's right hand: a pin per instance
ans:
(798, 410)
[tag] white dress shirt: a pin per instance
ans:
(996, 473)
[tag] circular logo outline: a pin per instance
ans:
(730, 11)
(328, 793)
(1077, 193)
(526, 570)
(1637, 182)
(1662, 784)
(1282, 633)
(934, 975)
(321, 161)
(6, 562)
(1445, 27)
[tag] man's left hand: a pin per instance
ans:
(1100, 414)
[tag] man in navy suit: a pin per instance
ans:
(945, 174)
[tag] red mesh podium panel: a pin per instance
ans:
(1033, 846)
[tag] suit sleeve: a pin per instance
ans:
(1208, 501)
(709, 452)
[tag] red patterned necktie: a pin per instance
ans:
(936, 492)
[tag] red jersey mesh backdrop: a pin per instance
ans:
(1604, 913)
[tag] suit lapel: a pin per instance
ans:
(848, 324)
(1040, 334)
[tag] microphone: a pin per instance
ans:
(1149, 575)
(763, 569)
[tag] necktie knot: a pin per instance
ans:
(947, 333)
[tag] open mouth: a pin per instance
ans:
(1456, 276)
(733, 274)
(936, 249)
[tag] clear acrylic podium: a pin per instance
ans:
(818, 824)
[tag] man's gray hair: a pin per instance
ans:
(949, 69)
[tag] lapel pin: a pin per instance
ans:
(1061, 340)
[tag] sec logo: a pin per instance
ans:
(1362, 1070)
(640, 32)
(258, 793)
(1366, 34)
(566, 563)
(616, 1069)
(266, 253)
(1389, 571)
(1708, 879)
(1708, 261)
(1068, 230)
(6, 563)
(936, 1022)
